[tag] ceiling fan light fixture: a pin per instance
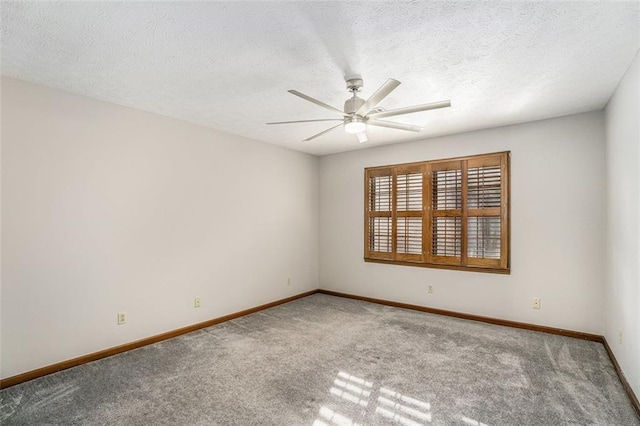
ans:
(355, 125)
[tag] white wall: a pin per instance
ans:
(108, 209)
(557, 191)
(622, 283)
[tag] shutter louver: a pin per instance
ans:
(380, 231)
(447, 236)
(380, 193)
(447, 189)
(483, 187)
(409, 235)
(409, 192)
(484, 237)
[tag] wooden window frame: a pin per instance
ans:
(427, 258)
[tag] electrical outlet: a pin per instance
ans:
(620, 336)
(429, 289)
(196, 302)
(288, 281)
(536, 303)
(122, 318)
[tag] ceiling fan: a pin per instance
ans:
(358, 112)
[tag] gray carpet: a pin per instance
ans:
(325, 360)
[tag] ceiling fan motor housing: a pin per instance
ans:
(352, 104)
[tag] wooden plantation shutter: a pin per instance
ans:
(408, 210)
(446, 213)
(486, 211)
(379, 208)
(445, 200)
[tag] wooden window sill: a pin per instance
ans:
(506, 271)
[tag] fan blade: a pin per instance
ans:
(317, 102)
(409, 110)
(322, 133)
(362, 137)
(306, 121)
(378, 96)
(392, 125)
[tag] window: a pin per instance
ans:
(444, 214)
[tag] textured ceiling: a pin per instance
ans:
(228, 65)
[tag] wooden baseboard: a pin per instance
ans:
(515, 324)
(497, 321)
(623, 379)
(30, 375)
